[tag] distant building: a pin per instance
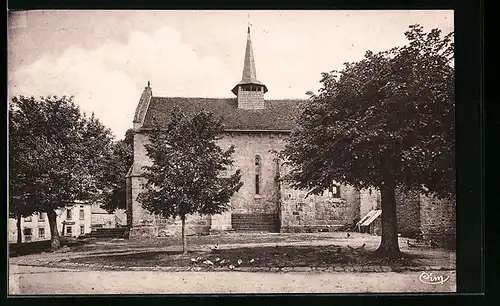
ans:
(71, 221)
(103, 219)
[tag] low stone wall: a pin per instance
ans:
(408, 213)
(160, 227)
(310, 228)
(438, 220)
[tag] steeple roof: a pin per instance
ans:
(249, 72)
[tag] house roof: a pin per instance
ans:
(97, 210)
(370, 217)
(277, 114)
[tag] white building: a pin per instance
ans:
(71, 221)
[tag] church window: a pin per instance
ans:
(335, 190)
(257, 174)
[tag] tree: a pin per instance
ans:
(117, 166)
(56, 156)
(18, 201)
(386, 121)
(190, 173)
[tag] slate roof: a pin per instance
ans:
(277, 115)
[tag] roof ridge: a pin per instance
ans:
(177, 97)
(227, 98)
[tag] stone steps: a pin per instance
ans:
(255, 222)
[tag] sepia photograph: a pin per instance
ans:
(231, 152)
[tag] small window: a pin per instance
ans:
(41, 233)
(82, 214)
(257, 174)
(28, 234)
(68, 214)
(41, 217)
(27, 219)
(69, 230)
(82, 229)
(335, 191)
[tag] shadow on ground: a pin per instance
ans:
(37, 247)
(266, 256)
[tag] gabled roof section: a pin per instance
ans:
(143, 106)
(278, 115)
(98, 210)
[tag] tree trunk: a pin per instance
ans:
(389, 245)
(19, 231)
(184, 239)
(55, 242)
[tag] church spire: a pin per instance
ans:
(249, 72)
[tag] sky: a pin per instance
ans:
(105, 58)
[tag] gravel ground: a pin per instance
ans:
(37, 280)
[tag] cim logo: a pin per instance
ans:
(428, 278)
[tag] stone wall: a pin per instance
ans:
(250, 99)
(295, 211)
(353, 199)
(317, 212)
(195, 225)
(438, 219)
(369, 200)
(408, 213)
(247, 146)
(245, 201)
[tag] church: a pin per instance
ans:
(258, 128)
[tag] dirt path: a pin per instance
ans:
(37, 280)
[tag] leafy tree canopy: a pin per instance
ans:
(117, 166)
(387, 119)
(190, 173)
(56, 156)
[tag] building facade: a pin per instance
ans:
(72, 221)
(258, 128)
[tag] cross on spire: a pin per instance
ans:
(248, 24)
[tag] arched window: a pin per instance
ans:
(257, 174)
